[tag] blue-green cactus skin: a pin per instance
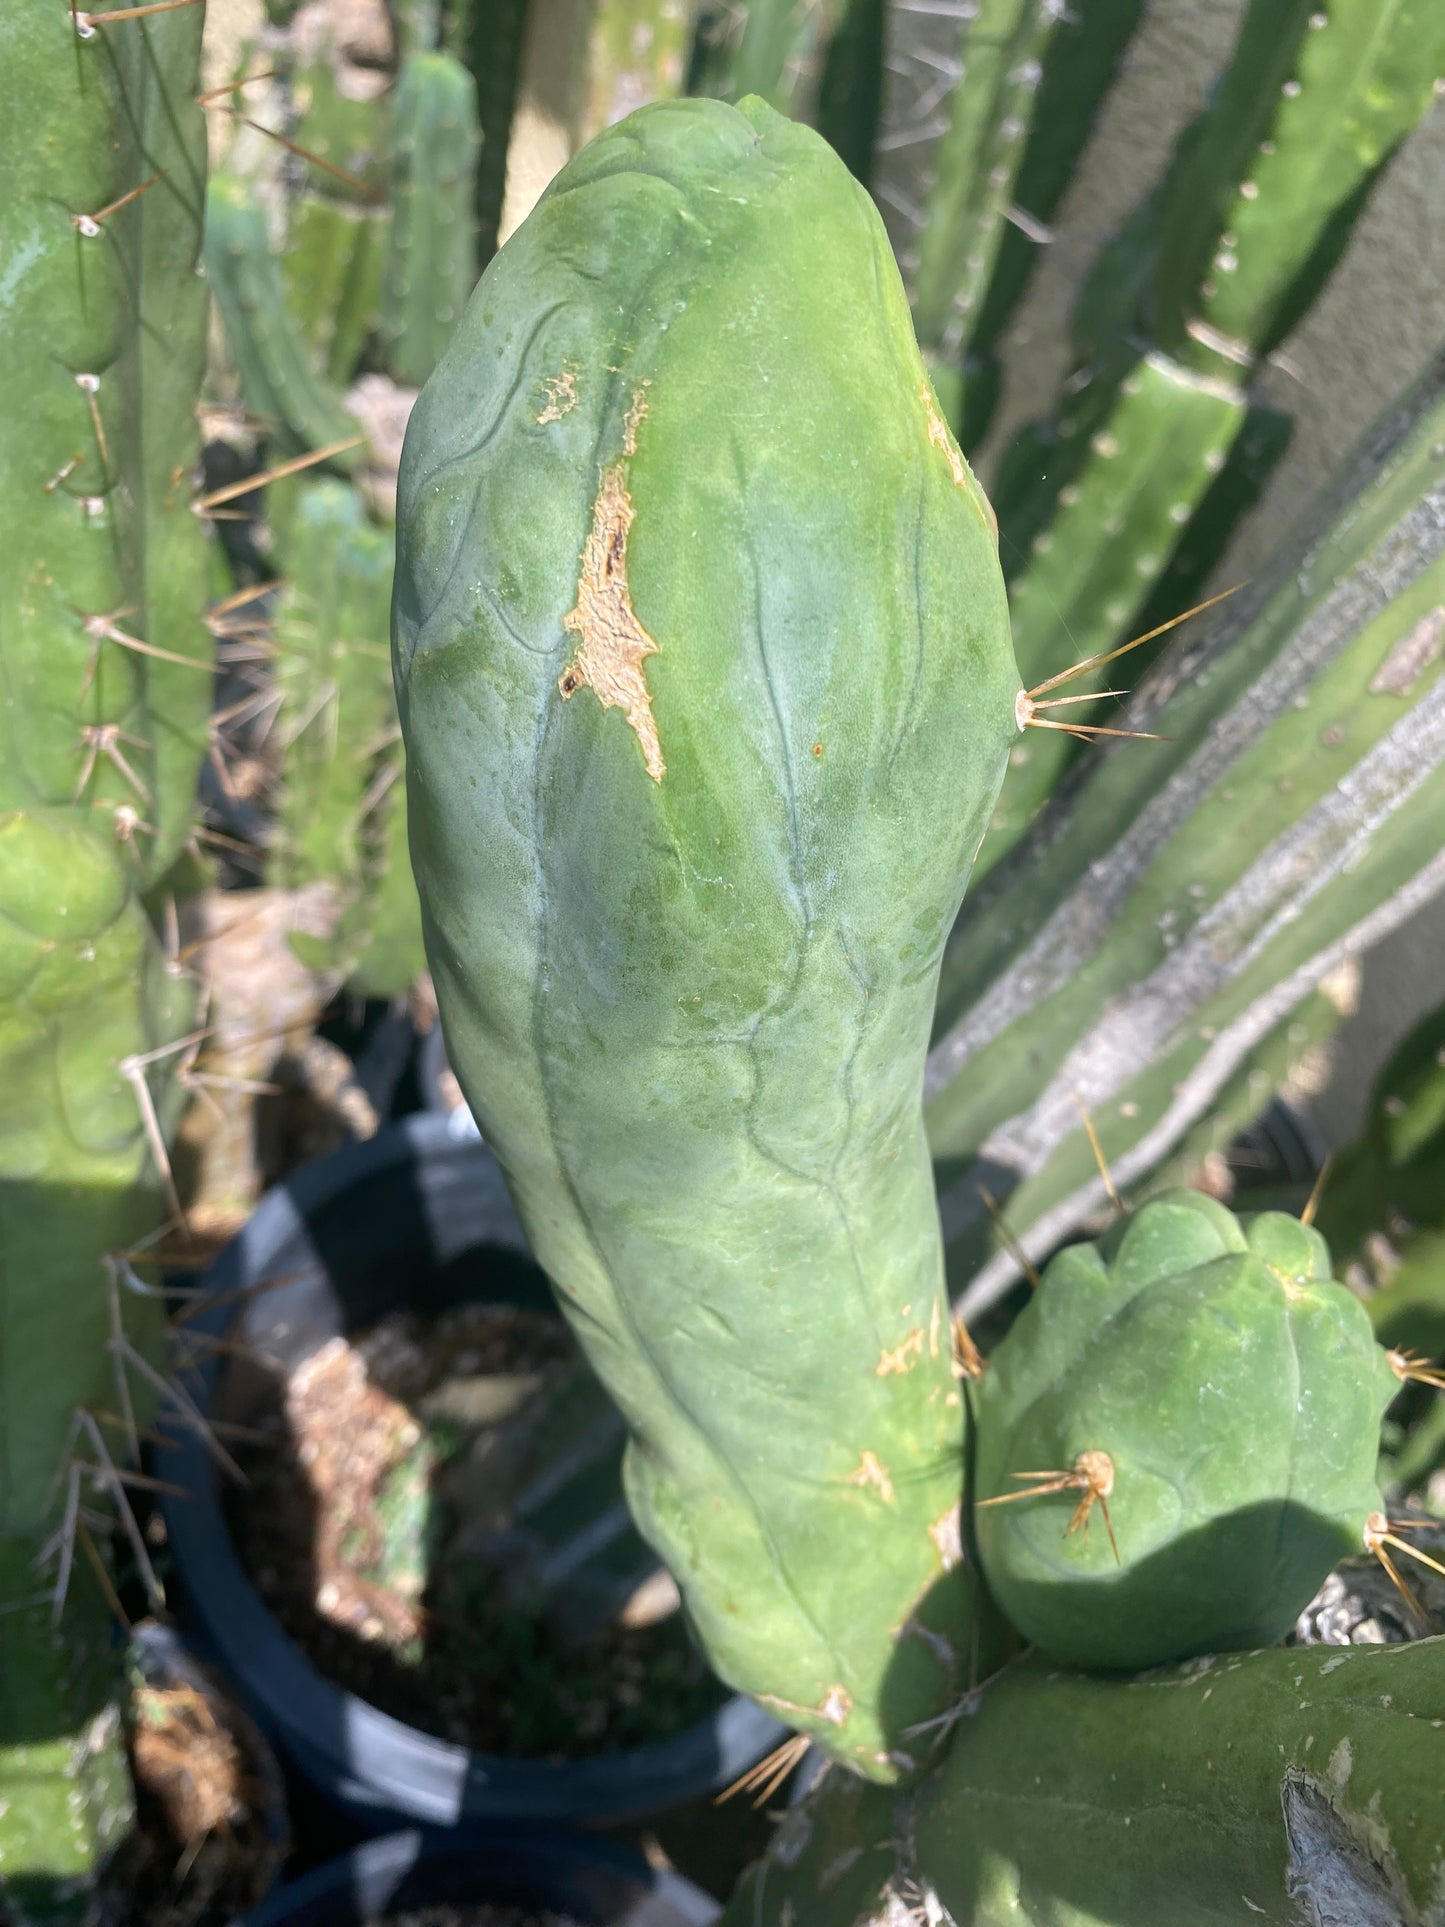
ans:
(1258, 1790)
(1236, 1393)
(705, 676)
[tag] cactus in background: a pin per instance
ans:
(1383, 1207)
(279, 379)
(771, 48)
(1223, 257)
(699, 854)
(106, 666)
(1254, 1145)
(961, 220)
(332, 269)
(1079, 64)
(1273, 1787)
(636, 54)
(1175, 1524)
(343, 142)
(488, 38)
(431, 256)
(1395, 1169)
(336, 721)
(1190, 892)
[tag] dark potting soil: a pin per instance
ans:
(378, 1523)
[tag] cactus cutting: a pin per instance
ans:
(1218, 1396)
(684, 778)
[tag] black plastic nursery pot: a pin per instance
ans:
(586, 1880)
(332, 1247)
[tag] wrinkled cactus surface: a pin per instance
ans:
(704, 668)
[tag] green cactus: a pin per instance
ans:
(340, 801)
(772, 48)
(1395, 1169)
(1000, 53)
(431, 256)
(1125, 1517)
(636, 53)
(1272, 1787)
(700, 855)
(281, 383)
(1264, 1169)
(1194, 889)
(1078, 67)
(1225, 255)
(344, 143)
(332, 270)
(106, 665)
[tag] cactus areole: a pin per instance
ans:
(704, 666)
(1177, 1439)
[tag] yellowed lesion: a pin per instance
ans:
(871, 1472)
(942, 439)
(614, 645)
(946, 1532)
(902, 1357)
(835, 1706)
(561, 396)
(634, 418)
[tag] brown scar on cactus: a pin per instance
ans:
(1027, 703)
(561, 396)
(634, 418)
(1091, 1474)
(942, 440)
(870, 1472)
(946, 1532)
(614, 643)
(901, 1358)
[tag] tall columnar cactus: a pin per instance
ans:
(431, 255)
(280, 380)
(1078, 67)
(1218, 263)
(772, 48)
(975, 163)
(487, 36)
(340, 786)
(105, 660)
(1270, 1788)
(700, 751)
(1191, 891)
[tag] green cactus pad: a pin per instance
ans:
(704, 668)
(1259, 1790)
(1209, 1401)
